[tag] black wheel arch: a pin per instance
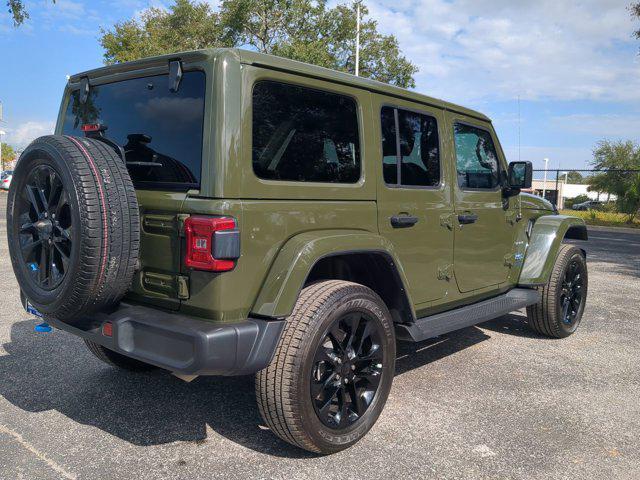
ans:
(374, 269)
(577, 232)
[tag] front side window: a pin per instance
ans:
(304, 135)
(476, 159)
(159, 130)
(416, 148)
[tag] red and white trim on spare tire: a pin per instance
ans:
(103, 210)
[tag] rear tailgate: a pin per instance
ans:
(161, 132)
(158, 279)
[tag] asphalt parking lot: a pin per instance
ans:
(494, 401)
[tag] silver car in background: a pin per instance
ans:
(5, 179)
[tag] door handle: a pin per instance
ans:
(467, 218)
(403, 221)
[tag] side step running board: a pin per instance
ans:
(468, 315)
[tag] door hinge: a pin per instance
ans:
(513, 259)
(446, 220)
(445, 272)
(181, 217)
(183, 287)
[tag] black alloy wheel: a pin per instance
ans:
(45, 235)
(571, 292)
(347, 370)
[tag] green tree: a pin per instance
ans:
(18, 11)
(185, 26)
(8, 155)
(574, 177)
(304, 30)
(619, 155)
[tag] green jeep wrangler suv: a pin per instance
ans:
(223, 212)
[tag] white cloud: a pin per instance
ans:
(538, 49)
(605, 125)
(24, 133)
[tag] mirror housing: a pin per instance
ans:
(520, 176)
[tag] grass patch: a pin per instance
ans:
(604, 219)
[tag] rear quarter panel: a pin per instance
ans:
(265, 226)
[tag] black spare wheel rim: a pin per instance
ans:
(45, 227)
(572, 292)
(347, 370)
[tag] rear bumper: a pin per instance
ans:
(180, 343)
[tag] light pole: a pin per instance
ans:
(2, 132)
(357, 38)
(544, 184)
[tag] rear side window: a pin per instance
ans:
(476, 158)
(304, 135)
(416, 148)
(160, 130)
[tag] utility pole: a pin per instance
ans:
(1, 134)
(358, 38)
(544, 184)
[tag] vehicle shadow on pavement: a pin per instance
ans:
(415, 355)
(514, 324)
(55, 371)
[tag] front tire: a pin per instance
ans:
(560, 309)
(332, 370)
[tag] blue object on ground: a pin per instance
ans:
(43, 328)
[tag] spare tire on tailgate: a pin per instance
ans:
(73, 226)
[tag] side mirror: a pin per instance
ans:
(520, 175)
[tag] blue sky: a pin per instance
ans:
(573, 63)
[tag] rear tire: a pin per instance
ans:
(115, 359)
(73, 226)
(337, 349)
(560, 309)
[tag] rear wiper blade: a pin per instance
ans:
(145, 164)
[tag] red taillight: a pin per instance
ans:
(202, 235)
(91, 127)
(107, 329)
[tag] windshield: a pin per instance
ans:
(160, 130)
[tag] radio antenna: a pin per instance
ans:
(518, 127)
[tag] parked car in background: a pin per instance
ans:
(5, 179)
(588, 205)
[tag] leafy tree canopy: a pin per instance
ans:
(304, 30)
(17, 11)
(574, 177)
(619, 155)
(8, 154)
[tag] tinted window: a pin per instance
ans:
(389, 146)
(160, 131)
(304, 135)
(417, 152)
(477, 161)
